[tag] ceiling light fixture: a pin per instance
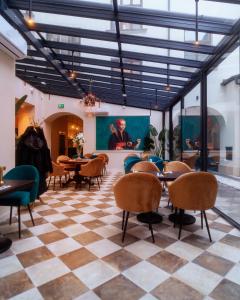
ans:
(168, 87)
(29, 19)
(196, 30)
(72, 73)
(90, 99)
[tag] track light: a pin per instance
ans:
(29, 19)
(196, 31)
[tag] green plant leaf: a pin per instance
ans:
(153, 130)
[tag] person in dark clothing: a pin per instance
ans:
(120, 139)
(32, 149)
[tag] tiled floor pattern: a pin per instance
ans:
(75, 252)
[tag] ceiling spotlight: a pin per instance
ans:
(196, 30)
(29, 19)
(168, 88)
(43, 82)
(124, 95)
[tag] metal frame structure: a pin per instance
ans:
(121, 76)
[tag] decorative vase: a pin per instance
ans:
(79, 151)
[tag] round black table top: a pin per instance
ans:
(165, 176)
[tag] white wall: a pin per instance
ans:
(7, 111)
(46, 109)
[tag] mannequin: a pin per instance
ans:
(32, 149)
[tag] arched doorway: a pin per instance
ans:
(60, 129)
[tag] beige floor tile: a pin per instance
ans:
(95, 273)
(173, 289)
(167, 261)
(199, 278)
(14, 284)
(51, 237)
(121, 260)
(146, 275)
(66, 287)
(226, 290)
(119, 288)
(77, 258)
(87, 237)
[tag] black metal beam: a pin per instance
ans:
(107, 84)
(106, 97)
(204, 123)
(114, 53)
(134, 40)
(170, 134)
(140, 94)
(16, 20)
(127, 15)
(27, 71)
(125, 54)
(118, 35)
(225, 47)
(104, 63)
(114, 74)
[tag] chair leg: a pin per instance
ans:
(60, 181)
(205, 217)
(123, 219)
(98, 183)
(125, 227)
(180, 223)
(10, 219)
(30, 212)
(201, 219)
(49, 181)
(54, 182)
(151, 229)
(19, 222)
(89, 184)
(174, 224)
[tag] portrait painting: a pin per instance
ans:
(121, 132)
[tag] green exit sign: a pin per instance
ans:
(61, 105)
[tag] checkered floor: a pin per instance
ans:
(75, 252)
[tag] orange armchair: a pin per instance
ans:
(145, 166)
(59, 171)
(93, 169)
(137, 192)
(194, 191)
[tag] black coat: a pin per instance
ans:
(32, 149)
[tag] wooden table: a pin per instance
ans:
(9, 187)
(76, 165)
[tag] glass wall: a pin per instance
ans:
(176, 119)
(191, 129)
(223, 96)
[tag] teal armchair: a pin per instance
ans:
(21, 198)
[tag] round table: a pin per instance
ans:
(76, 165)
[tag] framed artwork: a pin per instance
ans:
(121, 132)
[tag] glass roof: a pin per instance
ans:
(145, 43)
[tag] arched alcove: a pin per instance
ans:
(60, 128)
